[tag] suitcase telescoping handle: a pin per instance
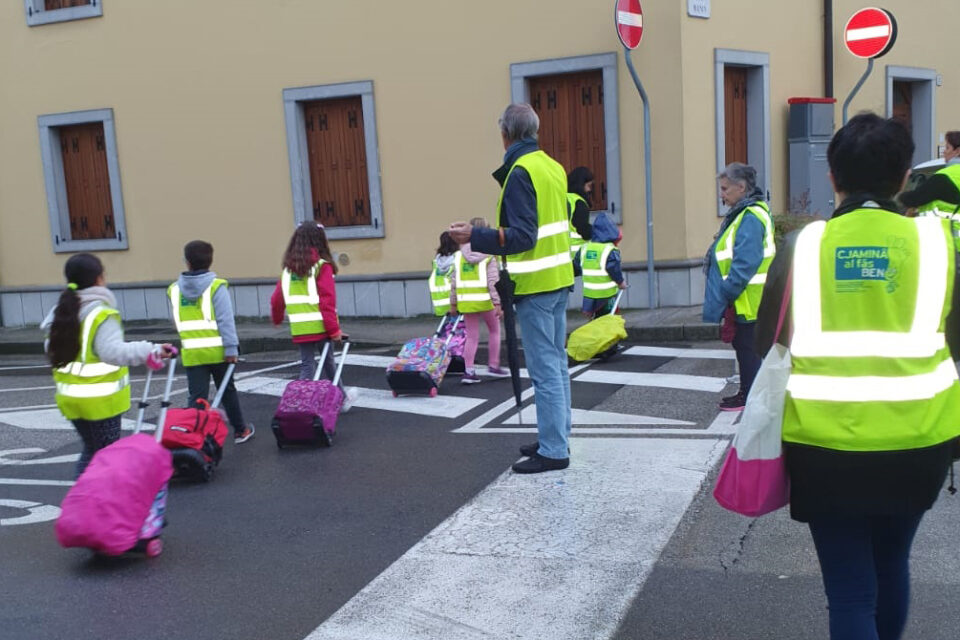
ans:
(616, 302)
(343, 359)
(143, 404)
(443, 321)
(453, 330)
(223, 385)
(323, 359)
(165, 402)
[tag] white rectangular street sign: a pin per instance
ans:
(698, 8)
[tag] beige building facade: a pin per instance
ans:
(130, 128)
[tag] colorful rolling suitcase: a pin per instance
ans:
(117, 505)
(308, 409)
(422, 363)
(457, 344)
(195, 437)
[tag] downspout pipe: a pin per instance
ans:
(827, 48)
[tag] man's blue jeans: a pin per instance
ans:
(865, 563)
(543, 328)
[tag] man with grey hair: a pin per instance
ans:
(533, 234)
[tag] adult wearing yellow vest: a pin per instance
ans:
(873, 400)
(89, 356)
(203, 315)
(940, 193)
(579, 195)
(534, 236)
(736, 268)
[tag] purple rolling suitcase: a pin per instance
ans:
(308, 409)
(422, 363)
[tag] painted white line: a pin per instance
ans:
(611, 431)
(36, 512)
(585, 417)
(630, 19)
(36, 483)
(364, 360)
(559, 555)
(442, 406)
(662, 380)
(666, 352)
(6, 460)
(53, 420)
(26, 366)
(725, 423)
(868, 33)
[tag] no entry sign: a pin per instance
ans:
(870, 33)
(629, 21)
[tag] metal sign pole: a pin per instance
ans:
(651, 274)
(856, 88)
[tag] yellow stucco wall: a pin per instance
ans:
(196, 90)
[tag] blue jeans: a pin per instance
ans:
(543, 325)
(865, 563)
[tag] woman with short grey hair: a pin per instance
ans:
(736, 268)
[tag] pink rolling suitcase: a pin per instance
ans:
(308, 409)
(423, 362)
(117, 505)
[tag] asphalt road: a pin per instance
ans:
(411, 526)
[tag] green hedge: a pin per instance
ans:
(787, 222)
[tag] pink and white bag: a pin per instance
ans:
(753, 480)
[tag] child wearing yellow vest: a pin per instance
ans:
(473, 292)
(89, 356)
(203, 314)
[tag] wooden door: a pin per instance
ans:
(337, 151)
(903, 103)
(50, 5)
(735, 113)
(572, 132)
(87, 179)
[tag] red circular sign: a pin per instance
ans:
(628, 16)
(870, 33)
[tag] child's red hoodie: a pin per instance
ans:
(328, 305)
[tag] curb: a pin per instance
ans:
(665, 333)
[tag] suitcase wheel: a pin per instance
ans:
(433, 392)
(279, 444)
(154, 548)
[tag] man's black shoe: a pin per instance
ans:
(538, 464)
(529, 450)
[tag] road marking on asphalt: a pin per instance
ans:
(5, 458)
(441, 406)
(666, 352)
(53, 420)
(585, 417)
(36, 512)
(29, 482)
(561, 554)
(662, 380)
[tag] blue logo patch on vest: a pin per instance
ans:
(592, 254)
(186, 302)
(855, 266)
(469, 267)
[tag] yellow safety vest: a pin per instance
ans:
(473, 294)
(548, 265)
(597, 283)
(939, 207)
(88, 389)
(871, 368)
(749, 301)
(200, 341)
(302, 300)
(439, 284)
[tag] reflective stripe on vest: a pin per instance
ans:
(197, 325)
(547, 266)
(749, 301)
(302, 299)
(88, 389)
(439, 284)
(942, 208)
(597, 283)
(576, 240)
(871, 369)
(473, 294)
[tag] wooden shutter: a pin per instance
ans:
(50, 5)
(337, 150)
(735, 113)
(87, 179)
(572, 130)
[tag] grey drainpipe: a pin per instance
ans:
(828, 48)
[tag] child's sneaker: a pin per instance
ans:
(350, 395)
(244, 435)
(470, 377)
(497, 372)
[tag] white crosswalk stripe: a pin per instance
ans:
(662, 380)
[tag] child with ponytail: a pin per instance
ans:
(89, 356)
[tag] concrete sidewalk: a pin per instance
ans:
(672, 324)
